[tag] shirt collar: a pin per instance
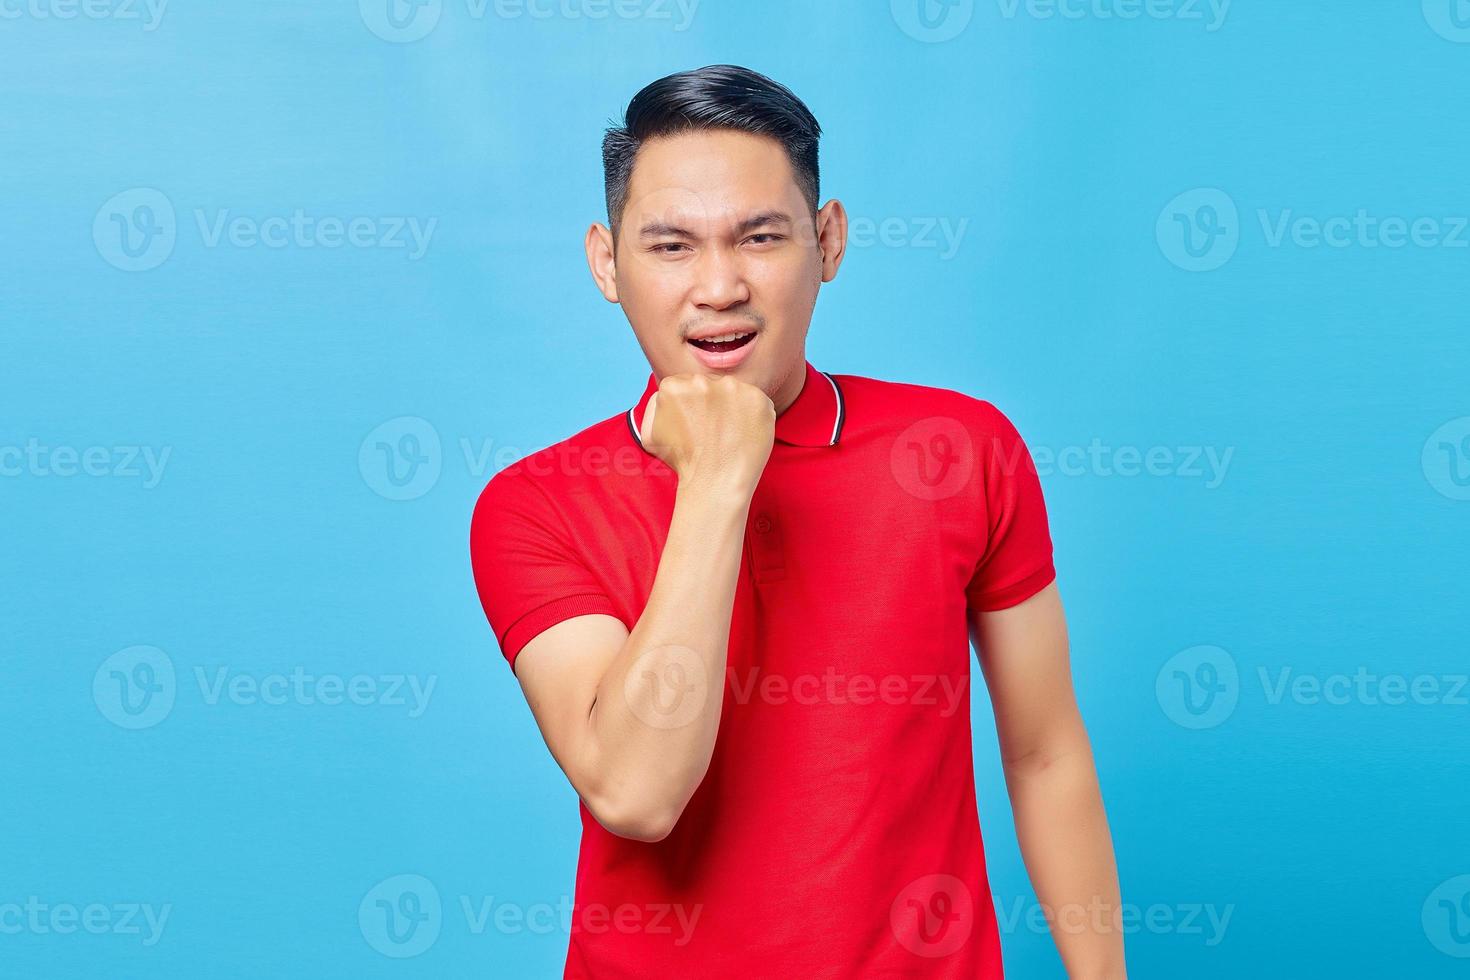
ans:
(814, 419)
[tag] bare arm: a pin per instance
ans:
(631, 718)
(1060, 821)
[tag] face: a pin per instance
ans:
(718, 259)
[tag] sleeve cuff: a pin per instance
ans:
(547, 615)
(1017, 593)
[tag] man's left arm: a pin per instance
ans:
(1060, 822)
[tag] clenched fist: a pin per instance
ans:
(714, 432)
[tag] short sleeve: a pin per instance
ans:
(1016, 562)
(527, 573)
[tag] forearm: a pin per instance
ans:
(657, 710)
(1063, 832)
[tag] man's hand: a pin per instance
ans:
(596, 688)
(715, 432)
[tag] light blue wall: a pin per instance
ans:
(1018, 191)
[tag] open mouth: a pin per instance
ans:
(728, 342)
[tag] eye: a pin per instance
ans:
(668, 248)
(768, 236)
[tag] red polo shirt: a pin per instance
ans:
(835, 834)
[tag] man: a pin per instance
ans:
(740, 609)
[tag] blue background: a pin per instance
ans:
(1334, 542)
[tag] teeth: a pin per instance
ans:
(724, 339)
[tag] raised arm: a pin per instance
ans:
(1058, 807)
(631, 718)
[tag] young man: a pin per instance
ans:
(740, 609)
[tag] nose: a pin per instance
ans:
(719, 282)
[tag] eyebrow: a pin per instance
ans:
(659, 229)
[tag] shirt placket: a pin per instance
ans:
(764, 541)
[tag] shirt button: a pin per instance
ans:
(763, 525)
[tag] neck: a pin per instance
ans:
(785, 396)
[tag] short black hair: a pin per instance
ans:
(713, 97)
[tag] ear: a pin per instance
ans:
(600, 260)
(832, 237)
